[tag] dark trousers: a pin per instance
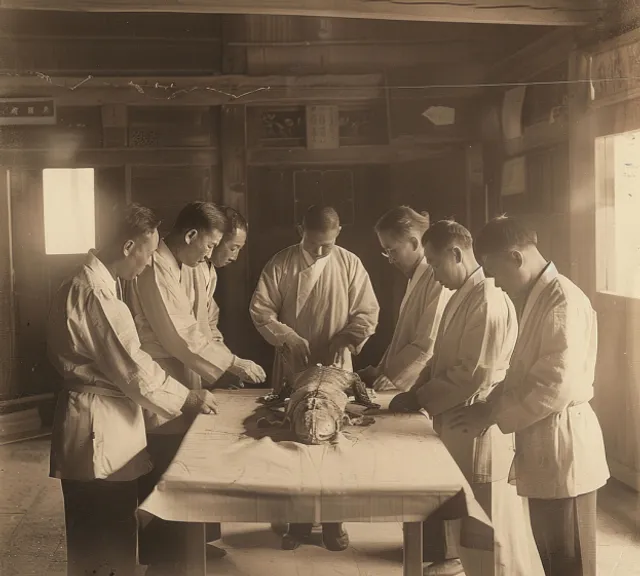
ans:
(100, 524)
(565, 534)
(162, 541)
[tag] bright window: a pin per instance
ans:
(69, 211)
(618, 214)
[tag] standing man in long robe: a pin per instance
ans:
(560, 459)
(314, 304)
(98, 440)
(171, 307)
(400, 234)
(225, 253)
(472, 352)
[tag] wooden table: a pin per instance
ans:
(396, 470)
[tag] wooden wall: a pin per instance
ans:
(173, 107)
(614, 109)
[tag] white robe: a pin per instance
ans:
(99, 429)
(414, 336)
(170, 304)
(331, 296)
(545, 396)
(474, 344)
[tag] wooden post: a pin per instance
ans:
(412, 548)
(8, 385)
(234, 292)
(475, 188)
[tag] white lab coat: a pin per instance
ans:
(99, 430)
(414, 336)
(170, 304)
(476, 337)
(332, 295)
(545, 396)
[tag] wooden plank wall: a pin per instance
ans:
(616, 109)
(165, 152)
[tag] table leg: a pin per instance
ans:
(196, 549)
(412, 548)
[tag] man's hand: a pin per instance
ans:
(298, 350)
(369, 375)
(338, 348)
(473, 419)
(404, 402)
(247, 371)
(200, 402)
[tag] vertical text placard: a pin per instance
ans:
(323, 128)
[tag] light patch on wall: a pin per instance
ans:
(440, 115)
(69, 210)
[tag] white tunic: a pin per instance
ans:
(99, 430)
(333, 295)
(414, 336)
(545, 396)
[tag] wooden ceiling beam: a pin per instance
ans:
(534, 59)
(528, 12)
(198, 91)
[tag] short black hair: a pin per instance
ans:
(444, 233)
(321, 219)
(402, 221)
(201, 216)
(132, 221)
(504, 233)
(235, 220)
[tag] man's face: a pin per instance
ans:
(229, 249)
(402, 253)
(319, 243)
(447, 265)
(138, 254)
(199, 245)
(506, 269)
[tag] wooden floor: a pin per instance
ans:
(32, 532)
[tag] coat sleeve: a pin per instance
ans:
(266, 304)
(114, 338)
(568, 347)
(481, 354)
(363, 308)
(402, 367)
(176, 327)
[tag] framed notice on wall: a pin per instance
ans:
(514, 176)
(22, 111)
(323, 127)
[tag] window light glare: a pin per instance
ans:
(69, 210)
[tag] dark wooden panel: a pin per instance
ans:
(87, 25)
(159, 127)
(109, 57)
(110, 189)
(77, 127)
(8, 380)
(167, 190)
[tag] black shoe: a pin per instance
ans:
(335, 537)
(296, 535)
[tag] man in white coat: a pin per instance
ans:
(472, 351)
(560, 458)
(172, 309)
(225, 253)
(98, 441)
(400, 233)
(315, 304)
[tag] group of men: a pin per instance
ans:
(490, 340)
